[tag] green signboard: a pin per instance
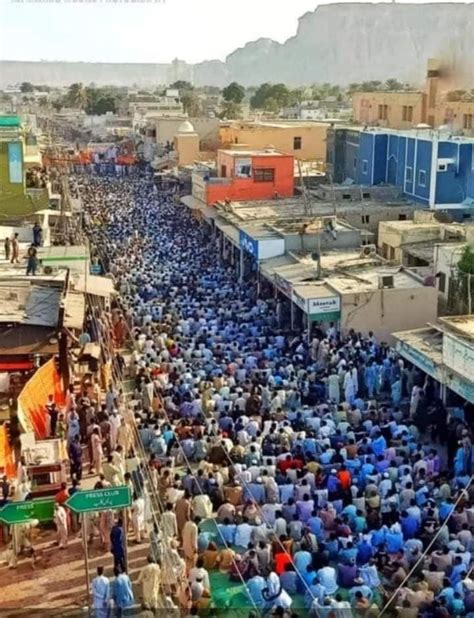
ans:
(23, 512)
(100, 499)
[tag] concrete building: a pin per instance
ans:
(146, 105)
(246, 175)
(397, 240)
(304, 140)
(453, 283)
(407, 109)
(19, 153)
(163, 130)
(364, 215)
(186, 144)
(429, 167)
(444, 350)
(359, 290)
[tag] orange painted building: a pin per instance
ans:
(246, 175)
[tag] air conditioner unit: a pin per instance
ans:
(368, 251)
(386, 281)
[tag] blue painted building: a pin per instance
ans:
(431, 169)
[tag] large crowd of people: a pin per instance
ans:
(316, 475)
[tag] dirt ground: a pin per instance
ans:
(57, 581)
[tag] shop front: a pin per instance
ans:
(320, 305)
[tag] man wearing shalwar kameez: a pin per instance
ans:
(101, 594)
(150, 579)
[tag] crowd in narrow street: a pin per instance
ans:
(313, 475)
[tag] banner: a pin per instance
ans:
(34, 397)
(15, 167)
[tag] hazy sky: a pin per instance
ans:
(141, 30)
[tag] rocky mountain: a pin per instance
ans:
(337, 43)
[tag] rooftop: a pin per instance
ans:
(428, 341)
(290, 209)
(422, 133)
(254, 153)
(462, 325)
(359, 280)
(24, 302)
(275, 124)
(9, 121)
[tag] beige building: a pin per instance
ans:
(395, 236)
(384, 300)
(397, 110)
(305, 140)
(164, 130)
(407, 109)
(186, 144)
(357, 290)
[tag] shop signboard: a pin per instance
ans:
(420, 360)
(326, 309)
(286, 287)
(300, 302)
(458, 355)
(464, 388)
(248, 244)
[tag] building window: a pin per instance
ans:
(383, 112)
(402, 217)
(467, 121)
(442, 282)
(365, 219)
(355, 163)
(365, 166)
(224, 171)
(407, 113)
(264, 175)
(422, 178)
(297, 142)
(408, 174)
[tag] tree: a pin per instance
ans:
(76, 96)
(270, 96)
(234, 93)
(191, 103)
(371, 86)
(230, 110)
(181, 85)
(354, 87)
(104, 105)
(26, 87)
(393, 84)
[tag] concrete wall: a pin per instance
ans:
(446, 258)
(242, 189)
(187, 147)
(389, 310)
(393, 235)
(257, 137)
(454, 114)
(346, 239)
(206, 128)
(365, 108)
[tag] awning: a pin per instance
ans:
(19, 365)
(92, 284)
(423, 348)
